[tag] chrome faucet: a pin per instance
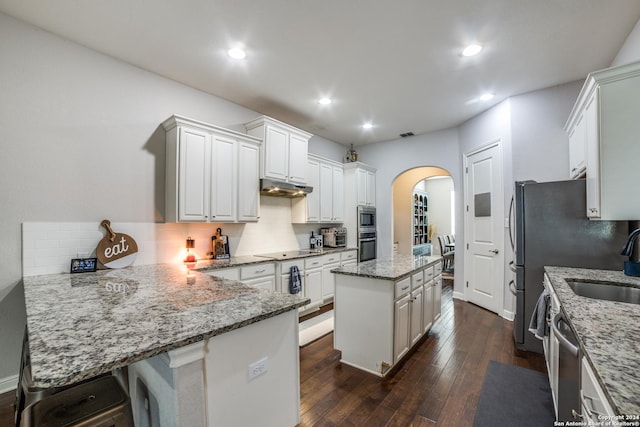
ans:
(634, 255)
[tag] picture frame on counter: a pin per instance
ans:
(84, 265)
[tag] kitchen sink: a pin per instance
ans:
(610, 291)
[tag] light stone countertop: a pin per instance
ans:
(608, 332)
(82, 325)
(394, 268)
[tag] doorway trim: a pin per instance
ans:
(499, 309)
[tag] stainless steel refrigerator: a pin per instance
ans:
(550, 228)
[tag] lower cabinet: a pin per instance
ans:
(402, 320)
(417, 303)
(437, 297)
(427, 306)
(595, 406)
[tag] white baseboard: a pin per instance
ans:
(509, 315)
(8, 383)
(459, 295)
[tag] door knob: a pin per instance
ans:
(494, 251)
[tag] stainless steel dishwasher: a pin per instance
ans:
(568, 370)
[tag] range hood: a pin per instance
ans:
(269, 187)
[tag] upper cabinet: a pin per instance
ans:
(211, 173)
(359, 190)
(283, 156)
(603, 129)
(325, 204)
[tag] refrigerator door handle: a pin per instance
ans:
(510, 224)
(512, 287)
(512, 266)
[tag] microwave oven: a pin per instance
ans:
(366, 218)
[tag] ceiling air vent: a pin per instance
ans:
(406, 134)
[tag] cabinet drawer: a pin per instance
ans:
(285, 266)
(268, 283)
(417, 280)
(257, 270)
(437, 268)
(226, 273)
(313, 262)
(403, 286)
(348, 255)
(428, 273)
(329, 259)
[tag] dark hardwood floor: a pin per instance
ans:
(438, 384)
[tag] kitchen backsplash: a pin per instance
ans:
(48, 247)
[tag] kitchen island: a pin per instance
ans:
(608, 333)
(384, 307)
(197, 354)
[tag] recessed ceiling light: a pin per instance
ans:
(486, 96)
(324, 101)
(237, 53)
(367, 126)
(472, 49)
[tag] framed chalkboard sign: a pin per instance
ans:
(83, 265)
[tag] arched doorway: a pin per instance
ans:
(408, 234)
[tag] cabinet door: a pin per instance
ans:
(313, 198)
(226, 273)
(338, 193)
(328, 280)
(401, 327)
(427, 307)
(437, 298)
(592, 143)
(577, 148)
(361, 183)
(276, 153)
(313, 286)
(248, 182)
(417, 300)
(371, 189)
(297, 162)
(326, 196)
(223, 172)
(193, 176)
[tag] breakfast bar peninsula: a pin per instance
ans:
(384, 307)
(198, 351)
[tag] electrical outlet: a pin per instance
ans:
(258, 368)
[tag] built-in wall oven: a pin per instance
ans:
(367, 239)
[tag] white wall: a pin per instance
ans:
(81, 141)
(630, 50)
(439, 207)
(392, 158)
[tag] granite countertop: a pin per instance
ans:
(608, 332)
(395, 267)
(81, 325)
(208, 265)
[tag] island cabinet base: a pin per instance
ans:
(364, 322)
(248, 376)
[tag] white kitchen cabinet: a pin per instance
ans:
(260, 275)
(359, 190)
(313, 287)
(427, 306)
(325, 204)
(595, 406)
(328, 278)
(578, 149)
(437, 298)
(211, 173)
(283, 154)
(417, 301)
(223, 188)
(402, 319)
(606, 113)
(248, 182)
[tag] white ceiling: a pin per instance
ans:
(395, 63)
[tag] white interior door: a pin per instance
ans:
(484, 235)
